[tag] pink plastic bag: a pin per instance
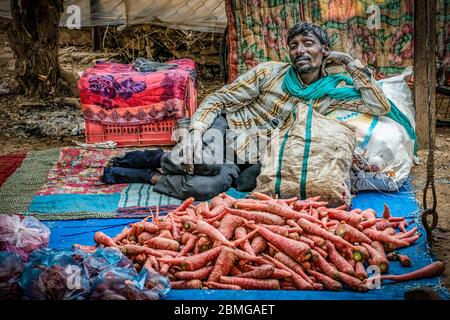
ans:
(22, 236)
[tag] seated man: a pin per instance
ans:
(258, 102)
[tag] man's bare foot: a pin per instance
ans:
(155, 178)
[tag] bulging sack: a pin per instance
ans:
(384, 152)
(311, 158)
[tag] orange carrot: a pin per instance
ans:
(376, 235)
(122, 235)
(379, 247)
(382, 225)
(184, 205)
(245, 256)
(311, 228)
(241, 232)
(261, 217)
(165, 234)
(132, 250)
(407, 234)
(206, 228)
(340, 263)
(376, 258)
(175, 230)
(299, 251)
(104, 240)
(164, 225)
(164, 269)
(228, 224)
(409, 241)
(248, 283)
(318, 241)
(217, 285)
(360, 254)
(326, 268)
(149, 266)
(261, 196)
(349, 217)
(147, 226)
(165, 252)
(328, 282)
(259, 244)
(186, 284)
(291, 214)
(218, 217)
(163, 243)
(199, 260)
(200, 274)
(302, 204)
(190, 244)
(322, 252)
(351, 234)
(294, 236)
(367, 224)
(281, 230)
(360, 271)
(203, 244)
(144, 237)
(215, 202)
(299, 282)
(404, 260)
(262, 272)
(223, 265)
(201, 208)
(291, 264)
(308, 241)
(386, 212)
(280, 274)
(352, 282)
(390, 231)
(432, 270)
(235, 271)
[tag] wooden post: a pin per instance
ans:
(94, 30)
(424, 67)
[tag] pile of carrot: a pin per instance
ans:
(267, 243)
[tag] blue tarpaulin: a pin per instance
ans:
(402, 203)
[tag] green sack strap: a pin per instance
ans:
(306, 151)
(280, 154)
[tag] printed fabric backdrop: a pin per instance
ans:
(257, 31)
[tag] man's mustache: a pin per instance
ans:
(302, 58)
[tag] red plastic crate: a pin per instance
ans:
(147, 134)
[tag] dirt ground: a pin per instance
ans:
(19, 136)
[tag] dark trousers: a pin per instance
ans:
(176, 183)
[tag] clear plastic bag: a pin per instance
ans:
(384, 154)
(11, 266)
(22, 236)
(105, 274)
(103, 259)
(54, 275)
(127, 284)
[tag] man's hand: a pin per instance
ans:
(192, 149)
(339, 58)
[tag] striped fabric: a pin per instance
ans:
(18, 191)
(142, 195)
(255, 103)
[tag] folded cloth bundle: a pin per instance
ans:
(144, 65)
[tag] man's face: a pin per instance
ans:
(307, 53)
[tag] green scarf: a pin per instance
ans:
(326, 86)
